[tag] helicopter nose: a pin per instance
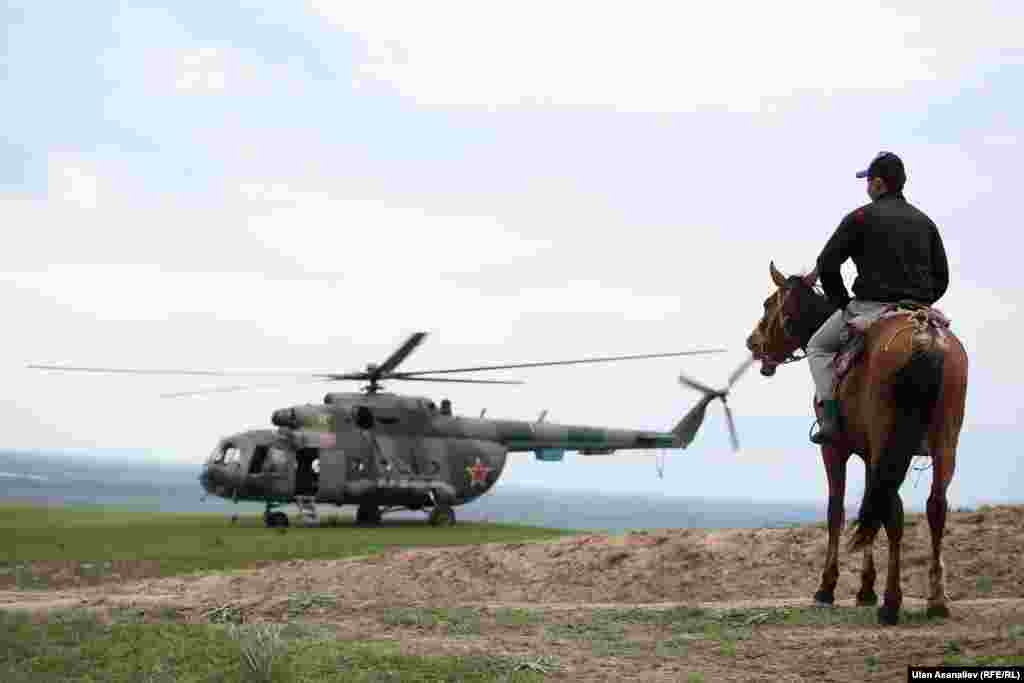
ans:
(204, 478)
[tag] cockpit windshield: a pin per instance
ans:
(226, 455)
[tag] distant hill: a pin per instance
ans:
(147, 484)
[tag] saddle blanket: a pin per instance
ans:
(852, 337)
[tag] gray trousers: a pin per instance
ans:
(822, 348)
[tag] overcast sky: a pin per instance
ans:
(301, 186)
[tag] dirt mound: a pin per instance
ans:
(982, 556)
(767, 575)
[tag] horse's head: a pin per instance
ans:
(791, 316)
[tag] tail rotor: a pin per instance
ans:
(687, 428)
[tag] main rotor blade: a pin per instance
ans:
(199, 373)
(694, 384)
(398, 356)
(405, 375)
(238, 387)
(738, 372)
(453, 379)
(732, 427)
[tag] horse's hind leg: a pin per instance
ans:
(943, 464)
(889, 612)
(867, 595)
(835, 471)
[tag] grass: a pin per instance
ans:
(738, 624)
(76, 645)
(990, 660)
(518, 618)
(93, 542)
(457, 621)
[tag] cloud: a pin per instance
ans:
(1000, 140)
(72, 182)
(663, 57)
(202, 69)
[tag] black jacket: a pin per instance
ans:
(896, 248)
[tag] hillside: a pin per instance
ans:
(730, 601)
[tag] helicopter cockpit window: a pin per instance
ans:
(232, 456)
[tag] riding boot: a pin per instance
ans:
(828, 426)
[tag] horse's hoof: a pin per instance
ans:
(888, 615)
(867, 599)
(937, 612)
(824, 599)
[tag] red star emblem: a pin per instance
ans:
(478, 473)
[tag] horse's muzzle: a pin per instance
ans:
(767, 369)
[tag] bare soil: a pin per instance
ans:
(566, 582)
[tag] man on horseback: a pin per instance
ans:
(899, 256)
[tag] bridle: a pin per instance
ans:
(779, 318)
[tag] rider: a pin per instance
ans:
(899, 257)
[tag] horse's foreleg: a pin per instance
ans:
(835, 470)
(943, 464)
(889, 612)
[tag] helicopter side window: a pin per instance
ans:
(277, 460)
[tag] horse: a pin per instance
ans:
(908, 389)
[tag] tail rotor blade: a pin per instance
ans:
(732, 427)
(738, 372)
(694, 384)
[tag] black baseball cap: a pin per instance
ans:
(885, 165)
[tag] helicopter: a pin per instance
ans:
(384, 452)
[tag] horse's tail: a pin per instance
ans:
(915, 393)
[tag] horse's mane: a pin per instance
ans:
(807, 308)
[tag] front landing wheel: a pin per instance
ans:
(275, 519)
(442, 515)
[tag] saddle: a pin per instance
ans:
(854, 333)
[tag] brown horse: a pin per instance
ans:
(909, 386)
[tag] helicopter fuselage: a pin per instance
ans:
(392, 451)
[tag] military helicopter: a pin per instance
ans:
(384, 452)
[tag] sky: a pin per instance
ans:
(300, 186)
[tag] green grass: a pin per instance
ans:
(457, 621)
(738, 624)
(516, 617)
(989, 660)
(98, 538)
(75, 645)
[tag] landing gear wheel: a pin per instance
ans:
(275, 519)
(442, 515)
(368, 515)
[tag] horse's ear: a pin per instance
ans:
(778, 278)
(811, 277)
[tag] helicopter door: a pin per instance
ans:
(270, 471)
(348, 460)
